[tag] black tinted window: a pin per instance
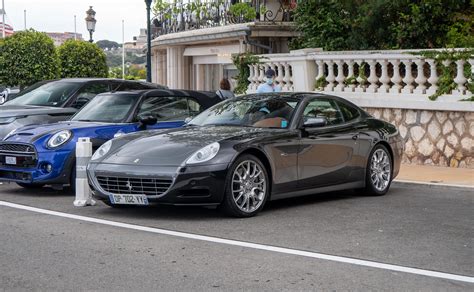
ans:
(323, 108)
(194, 107)
(165, 108)
(127, 86)
(88, 92)
(348, 112)
(54, 93)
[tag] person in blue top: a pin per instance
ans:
(269, 85)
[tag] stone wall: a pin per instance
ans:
(439, 138)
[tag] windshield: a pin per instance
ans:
(256, 111)
(109, 108)
(54, 93)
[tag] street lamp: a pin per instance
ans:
(148, 41)
(90, 22)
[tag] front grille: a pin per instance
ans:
(134, 185)
(17, 148)
(24, 155)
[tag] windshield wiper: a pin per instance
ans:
(229, 125)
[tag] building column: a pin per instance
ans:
(200, 77)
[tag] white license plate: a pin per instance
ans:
(10, 160)
(120, 199)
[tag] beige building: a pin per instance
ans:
(191, 51)
(60, 37)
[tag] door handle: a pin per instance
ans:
(355, 137)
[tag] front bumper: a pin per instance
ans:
(61, 163)
(190, 185)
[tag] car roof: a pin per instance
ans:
(207, 98)
(81, 80)
(303, 95)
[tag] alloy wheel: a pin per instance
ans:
(248, 186)
(380, 170)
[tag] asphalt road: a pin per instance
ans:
(421, 227)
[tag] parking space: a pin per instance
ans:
(413, 226)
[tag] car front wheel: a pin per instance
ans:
(379, 172)
(247, 187)
(30, 186)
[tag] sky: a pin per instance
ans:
(58, 16)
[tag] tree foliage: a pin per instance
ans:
(384, 24)
(242, 62)
(106, 44)
(133, 72)
(27, 57)
(82, 59)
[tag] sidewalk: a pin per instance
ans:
(436, 175)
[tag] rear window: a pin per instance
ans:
(348, 112)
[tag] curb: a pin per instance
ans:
(431, 184)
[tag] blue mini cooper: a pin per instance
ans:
(34, 156)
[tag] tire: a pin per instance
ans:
(72, 180)
(247, 173)
(30, 186)
(379, 172)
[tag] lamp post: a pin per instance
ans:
(90, 22)
(148, 41)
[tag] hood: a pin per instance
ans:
(31, 133)
(173, 147)
(7, 111)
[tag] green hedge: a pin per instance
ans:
(82, 59)
(27, 57)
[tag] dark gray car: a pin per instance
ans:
(56, 100)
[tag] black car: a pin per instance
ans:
(245, 151)
(51, 155)
(57, 100)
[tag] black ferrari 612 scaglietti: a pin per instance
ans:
(244, 151)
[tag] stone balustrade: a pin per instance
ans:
(391, 85)
(396, 75)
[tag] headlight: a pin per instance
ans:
(102, 150)
(4, 121)
(59, 138)
(204, 154)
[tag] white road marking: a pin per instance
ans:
(316, 255)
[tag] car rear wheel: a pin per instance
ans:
(30, 186)
(247, 187)
(379, 172)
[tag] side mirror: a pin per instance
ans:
(188, 119)
(146, 121)
(315, 123)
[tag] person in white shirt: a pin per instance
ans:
(269, 85)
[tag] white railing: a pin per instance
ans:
(372, 78)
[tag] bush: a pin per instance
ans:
(242, 62)
(26, 58)
(82, 59)
(384, 24)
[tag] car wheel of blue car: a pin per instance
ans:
(72, 179)
(30, 186)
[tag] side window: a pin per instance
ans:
(165, 108)
(129, 86)
(88, 92)
(323, 108)
(194, 107)
(348, 112)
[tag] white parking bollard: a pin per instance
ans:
(83, 156)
